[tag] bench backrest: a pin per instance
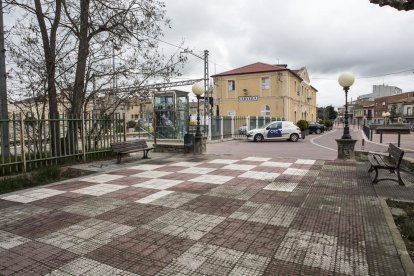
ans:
(396, 154)
(129, 145)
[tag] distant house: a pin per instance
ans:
(261, 89)
(400, 103)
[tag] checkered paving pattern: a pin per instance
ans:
(202, 216)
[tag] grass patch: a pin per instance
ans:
(42, 176)
(405, 223)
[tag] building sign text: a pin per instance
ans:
(248, 98)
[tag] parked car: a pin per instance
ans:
(243, 130)
(315, 127)
(276, 130)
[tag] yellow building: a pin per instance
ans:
(261, 89)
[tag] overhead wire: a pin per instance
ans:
(369, 77)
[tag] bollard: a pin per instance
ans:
(370, 134)
(399, 138)
(380, 136)
(363, 144)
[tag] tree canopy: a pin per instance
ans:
(72, 51)
(401, 5)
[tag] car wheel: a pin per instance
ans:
(258, 138)
(318, 131)
(294, 137)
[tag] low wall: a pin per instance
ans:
(172, 148)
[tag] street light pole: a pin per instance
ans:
(198, 132)
(346, 144)
(199, 147)
(346, 134)
(346, 80)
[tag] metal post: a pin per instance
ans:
(22, 145)
(232, 127)
(221, 128)
(4, 114)
(206, 89)
(346, 134)
(399, 138)
(198, 132)
(380, 136)
(124, 125)
(83, 131)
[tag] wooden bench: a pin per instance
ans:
(121, 148)
(392, 163)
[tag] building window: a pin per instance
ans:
(265, 83)
(231, 85)
(265, 110)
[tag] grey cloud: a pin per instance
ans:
(326, 36)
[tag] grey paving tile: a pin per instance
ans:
(86, 236)
(184, 224)
(94, 206)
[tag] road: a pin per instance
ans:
(322, 146)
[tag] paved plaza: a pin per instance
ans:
(207, 215)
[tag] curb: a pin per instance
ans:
(405, 259)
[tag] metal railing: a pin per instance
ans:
(237, 126)
(36, 142)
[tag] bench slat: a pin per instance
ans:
(121, 147)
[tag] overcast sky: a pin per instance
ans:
(326, 36)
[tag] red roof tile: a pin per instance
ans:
(253, 68)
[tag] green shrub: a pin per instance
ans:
(406, 227)
(328, 123)
(46, 174)
(302, 124)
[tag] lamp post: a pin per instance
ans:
(385, 115)
(198, 90)
(346, 144)
(346, 80)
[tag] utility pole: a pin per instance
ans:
(206, 86)
(206, 90)
(4, 115)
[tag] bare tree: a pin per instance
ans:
(401, 5)
(80, 41)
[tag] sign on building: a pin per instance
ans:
(248, 98)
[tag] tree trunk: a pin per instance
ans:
(78, 95)
(49, 47)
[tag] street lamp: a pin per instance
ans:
(346, 80)
(386, 115)
(346, 145)
(198, 90)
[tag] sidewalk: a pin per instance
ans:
(189, 215)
